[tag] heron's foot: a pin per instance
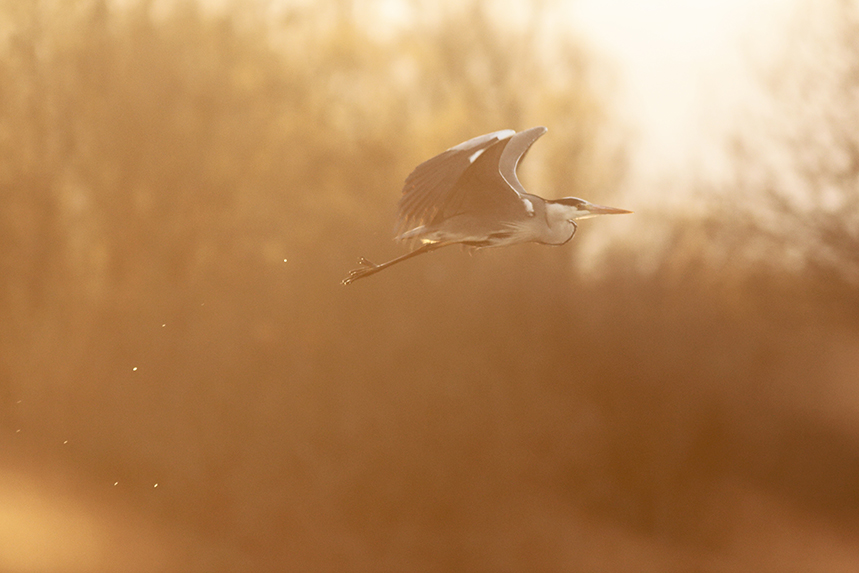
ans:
(366, 268)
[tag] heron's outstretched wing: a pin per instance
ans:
(482, 198)
(513, 153)
(432, 187)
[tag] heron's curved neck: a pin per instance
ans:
(559, 225)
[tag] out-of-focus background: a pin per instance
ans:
(185, 385)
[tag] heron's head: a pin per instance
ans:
(574, 208)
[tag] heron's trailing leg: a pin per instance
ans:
(367, 268)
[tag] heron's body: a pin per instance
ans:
(537, 222)
(470, 195)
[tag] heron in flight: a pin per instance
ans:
(470, 195)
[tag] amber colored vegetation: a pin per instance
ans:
(186, 386)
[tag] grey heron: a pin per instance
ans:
(470, 195)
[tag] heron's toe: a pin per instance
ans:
(355, 274)
(366, 268)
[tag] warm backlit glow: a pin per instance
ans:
(676, 59)
(673, 390)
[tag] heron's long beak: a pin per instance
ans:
(601, 210)
(594, 210)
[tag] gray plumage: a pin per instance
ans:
(470, 195)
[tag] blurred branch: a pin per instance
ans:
(797, 162)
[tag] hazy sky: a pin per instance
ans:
(681, 65)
